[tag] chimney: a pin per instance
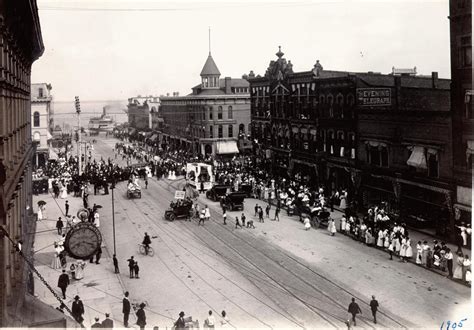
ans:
(434, 80)
(228, 90)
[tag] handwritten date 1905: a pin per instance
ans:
(452, 325)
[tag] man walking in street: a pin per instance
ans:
(354, 309)
(243, 218)
(277, 214)
(63, 282)
(256, 209)
(66, 206)
(97, 324)
(260, 214)
(374, 305)
(116, 264)
(78, 310)
(146, 182)
(267, 210)
(125, 309)
(131, 264)
(59, 226)
(237, 223)
(136, 269)
(224, 217)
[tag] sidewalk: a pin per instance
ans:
(415, 236)
(101, 290)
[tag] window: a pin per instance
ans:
(377, 155)
(211, 131)
(340, 99)
(220, 132)
(433, 165)
(231, 131)
(210, 113)
(36, 119)
(230, 115)
(219, 112)
(466, 51)
(468, 104)
(40, 92)
(241, 129)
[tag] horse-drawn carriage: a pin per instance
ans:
(134, 190)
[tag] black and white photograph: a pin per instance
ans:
(236, 164)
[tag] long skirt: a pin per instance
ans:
(56, 263)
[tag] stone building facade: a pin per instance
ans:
(20, 45)
(381, 137)
(41, 121)
(213, 120)
(462, 94)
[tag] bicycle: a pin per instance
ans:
(141, 249)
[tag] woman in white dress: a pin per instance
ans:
(466, 267)
(332, 227)
(409, 250)
(80, 269)
(343, 224)
(64, 191)
(403, 249)
(380, 239)
(419, 250)
(40, 213)
(459, 265)
(56, 264)
(307, 224)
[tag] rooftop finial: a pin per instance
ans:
(209, 40)
(279, 54)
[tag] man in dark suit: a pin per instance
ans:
(97, 324)
(78, 309)
(374, 305)
(141, 317)
(63, 282)
(125, 309)
(354, 309)
(107, 323)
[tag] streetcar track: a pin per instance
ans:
(309, 269)
(312, 308)
(229, 299)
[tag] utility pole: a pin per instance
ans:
(78, 110)
(113, 212)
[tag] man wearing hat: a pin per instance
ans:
(108, 323)
(97, 324)
(77, 309)
(141, 316)
(180, 324)
(125, 309)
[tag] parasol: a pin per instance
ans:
(41, 203)
(98, 206)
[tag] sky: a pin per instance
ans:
(115, 49)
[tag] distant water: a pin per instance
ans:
(65, 112)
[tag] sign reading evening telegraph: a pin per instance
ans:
(374, 96)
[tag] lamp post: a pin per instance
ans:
(112, 187)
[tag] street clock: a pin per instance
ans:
(83, 240)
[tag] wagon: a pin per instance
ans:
(233, 201)
(134, 191)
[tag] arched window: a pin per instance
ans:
(340, 99)
(36, 119)
(219, 112)
(241, 129)
(230, 115)
(330, 99)
(220, 132)
(350, 99)
(36, 136)
(321, 99)
(231, 131)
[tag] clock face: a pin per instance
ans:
(83, 240)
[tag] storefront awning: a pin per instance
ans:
(417, 158)
(153, 138)
(227, 147)
(53, 155)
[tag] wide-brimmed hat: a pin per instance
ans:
(181, 314)
(142, 305)
(76, 298)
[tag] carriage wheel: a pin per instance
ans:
(172, 217)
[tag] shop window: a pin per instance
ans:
(230, 114)
(219, 112)
(231, 131)
(377, 156)
(220, 132)
(36, 119)
(433, 166)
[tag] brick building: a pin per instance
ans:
(20, 45)
(140, 110)
(460, 18)
(382, 137)
(42, 121)
(213, 120)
